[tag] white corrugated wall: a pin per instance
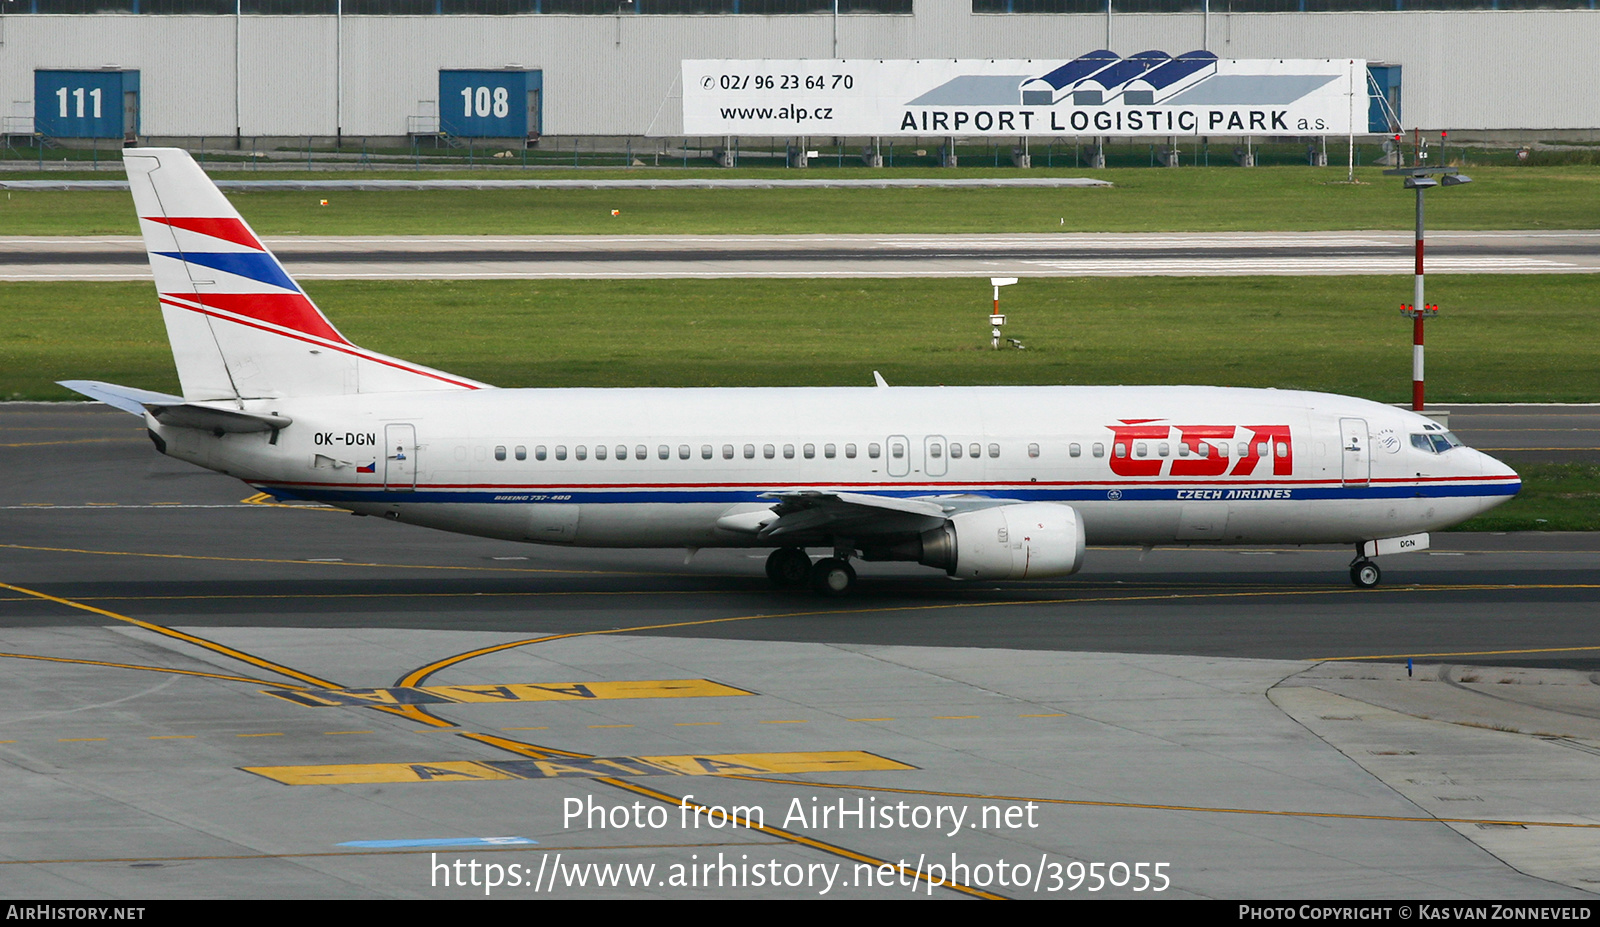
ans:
(608, 75)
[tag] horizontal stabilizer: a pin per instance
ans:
(126, 398)
(172, 410)
(211, 418)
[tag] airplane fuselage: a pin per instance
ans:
(675, 467)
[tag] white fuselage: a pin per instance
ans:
(660, 467)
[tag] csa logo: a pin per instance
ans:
(1203, 450)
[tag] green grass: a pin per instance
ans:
(1500, 338)
(1143, 199)
(1554, 497)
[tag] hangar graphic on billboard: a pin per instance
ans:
(1100, 93)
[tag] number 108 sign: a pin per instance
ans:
(489, 104)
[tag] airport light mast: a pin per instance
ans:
(1420, 178)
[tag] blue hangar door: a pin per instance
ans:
(86, 104)
(491, 104)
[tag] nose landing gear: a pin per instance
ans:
(1365, 574)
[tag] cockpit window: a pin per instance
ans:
(1436, 443)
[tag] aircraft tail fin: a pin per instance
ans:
(240, 327)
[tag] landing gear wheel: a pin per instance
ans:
(1365, 574)
(789, 568)
(832, 577)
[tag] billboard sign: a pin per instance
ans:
(1100, 93)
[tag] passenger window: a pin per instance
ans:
(974, 450)
(727, 452)
(955, 451)
(1222, 449)
(1163, 449)
(538, 453)
(828, 451)
(850, 451)
(622, 452)
(874, 450)
(935, 450)
(1121, 449)
(705, 452)
(897, 449)
(561, 452)
(810, 450)
(1183, 449)
(1283, 449)
(641, 452)
(1244, 449)
(749, 452)
(581, 452)
(1261, 449)
(683, 452)
(994, 450)
(522, 452)
(1033, 450)
(599, 452)
(1075, 450)
(1100, 450)
(500, 452)
(663, 452)
(768, 451)
(1141, 449)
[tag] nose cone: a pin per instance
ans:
(1500, 471)
(1499, 483)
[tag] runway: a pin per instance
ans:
(1243, 718)
(810, 256)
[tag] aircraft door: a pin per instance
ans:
(898, 451)
(933, 459)
(400, 457)
(1357, 451)
(130, 115)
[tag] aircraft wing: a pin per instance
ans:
(798, 515)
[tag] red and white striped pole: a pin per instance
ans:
(1420, 178)
(1418, 311)
(1417, 316)
(1416, 362)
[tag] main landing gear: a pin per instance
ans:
(791, 568)
(1364, 573)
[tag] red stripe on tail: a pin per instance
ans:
(232, 230)
(290, 310)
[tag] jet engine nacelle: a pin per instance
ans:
(1032, 540)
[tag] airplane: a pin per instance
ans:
(985, 483)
